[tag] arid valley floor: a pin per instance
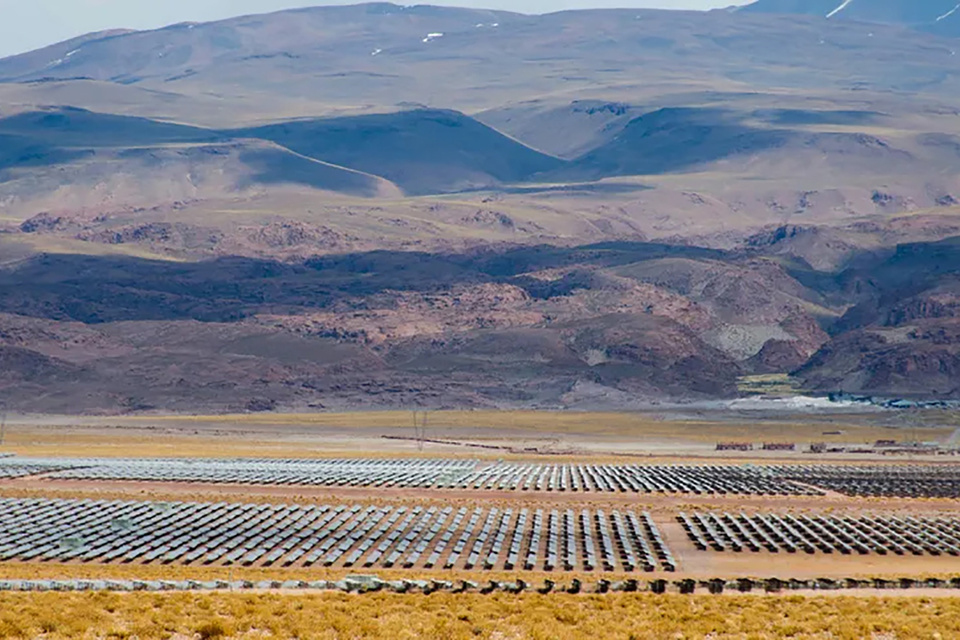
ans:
(281, 598)
(430, 322)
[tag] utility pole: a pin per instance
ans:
(423, 429)
(416, 429)
(3, 427)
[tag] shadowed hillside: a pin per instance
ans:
(902, 337)
(524, 327)
(422, 151)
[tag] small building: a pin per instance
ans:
(779, 446)
(734, 446)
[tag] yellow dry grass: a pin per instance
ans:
(61, 442)
(771, 384)
(336, 616)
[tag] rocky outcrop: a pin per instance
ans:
(921, 361)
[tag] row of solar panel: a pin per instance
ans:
(875, 480)
(902, 481)
(340, 535)
(429, 473)
(824, 534)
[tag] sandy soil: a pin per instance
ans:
(623, 437)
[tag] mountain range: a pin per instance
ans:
(390, 206)
(937, 16)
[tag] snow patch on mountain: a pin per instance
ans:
(843, 5)
(948, 13)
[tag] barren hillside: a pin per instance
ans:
(376, 205)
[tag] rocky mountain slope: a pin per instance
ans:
(903, 337)
(524, 327)
(389, 206)
(615, 324)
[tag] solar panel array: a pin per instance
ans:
(825, 534)
(429, 473)
(867, 480)
(331, 536)
(11, 467)
(904, 481)
(704, 479)
(333, 472)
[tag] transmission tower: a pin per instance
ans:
(419, 428)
